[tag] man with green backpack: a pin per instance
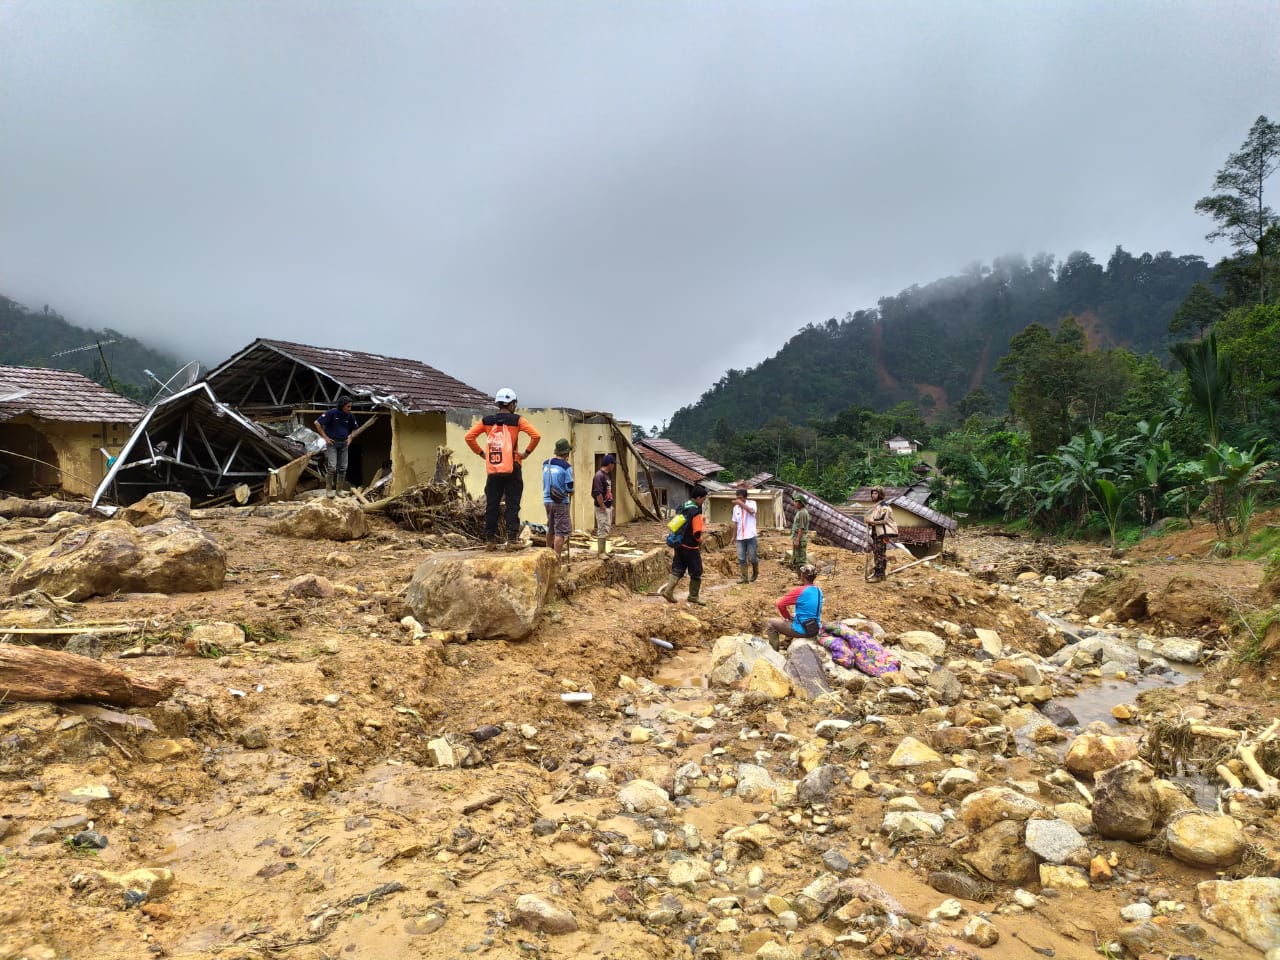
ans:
(686, 541)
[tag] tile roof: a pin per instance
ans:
(925, 513)
(673, 451)
(666, 465)
(824, 519)
(410, 385)
(759, 480)
(62, 395)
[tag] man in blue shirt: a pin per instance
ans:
(336, 426)
(557, 488)
(806, 620)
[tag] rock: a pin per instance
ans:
(84, 645)
(807, 669)
(912, 753)
(686, 778)
(1025, 899)
(1099, 869)
(1180, 649)
(441, 752)
(989, 641)
(65, 520)
(923, 641)
(1125, 804)
(1055, 877)
(768, 680)
(980, 932)
(1091, 752)
(998, 853)
(996, 804)
(324, 519)
(309, 586)
(1249, 908)
(642, 796)
(775, 951)
(157, 506)
(958, 782)
(1136, 912)
(252, 738)
(494, 595)
(816, 786)
(811, 902)
(537, 914)
(88, 840)
(732, 658)
(87, 793)
(687, 874)
(957, 884)
(1059, 714)
(912, 823)
(832, 728)
(114, 557)
(754, 782)
(1056, 841)
(835, 861)
(1170, 800)
(944, 686)
(216, 638)
(948, 909)
(1139, 938)
(1076, 814)
(153, 882)
(1206, 840)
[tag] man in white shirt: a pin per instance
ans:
(744, 532)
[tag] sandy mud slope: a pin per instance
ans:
(335, 788)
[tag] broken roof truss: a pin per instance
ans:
(194, 443)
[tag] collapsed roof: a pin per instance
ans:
(825, 520)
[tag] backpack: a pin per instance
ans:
(500, 457)
(676, 535)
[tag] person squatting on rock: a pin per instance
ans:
(880, 522)
(602, 498)
(336, 427)
(557, 489)
(806, 620)
(687, 555)
(744, 532)
(800, 532)
(502, 459)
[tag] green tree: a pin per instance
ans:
(1201, 310)
(1238, 207)
(1210, 380)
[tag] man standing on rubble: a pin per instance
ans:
(688, 549)
(336, 427)
(602, 497)
(502, 459)
(744, 532)
(557, 488)
(800, 532)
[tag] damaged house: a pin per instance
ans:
(249, 421)
(676, 470)
(58, 430)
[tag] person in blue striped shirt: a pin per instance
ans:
(557, 488)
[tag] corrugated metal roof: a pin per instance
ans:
(926, 513)
(673, 451)
(63, 395)
(415, 386)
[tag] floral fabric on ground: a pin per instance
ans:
(854, 649)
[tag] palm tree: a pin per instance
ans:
(1209, 379)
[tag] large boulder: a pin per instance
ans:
(922, 641)
(493, 595)
(115, 557)
(324, 519)
(734, 657)
(1091, 753)
(1249, 908)
(1126, 805)
(998, 853)
(1206, 839)
(157, 506)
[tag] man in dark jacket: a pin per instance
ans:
(336, 426)
(688, 550)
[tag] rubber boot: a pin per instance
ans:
(600, 546)
(328, 485)
(742, 573)
(342, 486)
(695, 588)
(755, 571)
(667, 590)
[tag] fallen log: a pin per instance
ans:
(11, 507)
(30, 674)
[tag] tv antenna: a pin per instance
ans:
(96, 345)
(184, 378)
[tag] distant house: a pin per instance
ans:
(675, 470)
(250, 420)
(901, 446)
(919, 526)
(58, 430)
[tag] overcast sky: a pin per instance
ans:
(600, 204)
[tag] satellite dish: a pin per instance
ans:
(184, 378)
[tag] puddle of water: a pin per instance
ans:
(1095, 702)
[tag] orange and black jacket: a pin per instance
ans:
(691, 532)
(514, 425)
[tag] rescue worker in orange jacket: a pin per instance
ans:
(502, 459)
(688, 550)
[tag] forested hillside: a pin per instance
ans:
(933, 344)
(46, 339)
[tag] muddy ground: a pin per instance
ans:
(286, 782)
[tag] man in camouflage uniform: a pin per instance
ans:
(800, 533)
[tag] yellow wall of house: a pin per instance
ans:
(769, 516)
(414, 441)
(75, 448)
(552, 423)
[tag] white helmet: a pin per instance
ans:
(505, 395)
